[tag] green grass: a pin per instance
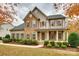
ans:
(23, 51)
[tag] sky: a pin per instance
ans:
(24, 8)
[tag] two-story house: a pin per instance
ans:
(41, 27)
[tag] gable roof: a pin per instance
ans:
(33, 14)
(18, 28)
(39, 11)
(28, 14)
(58, 16)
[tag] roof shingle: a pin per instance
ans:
(58, 16)
(18, 28)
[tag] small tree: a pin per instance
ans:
(73, 39)
(7, 36)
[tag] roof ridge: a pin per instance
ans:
(39, 11)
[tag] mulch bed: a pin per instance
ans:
(18, 43)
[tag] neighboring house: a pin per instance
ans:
(4, 29)
(39, 26)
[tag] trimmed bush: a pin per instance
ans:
(56, 45)
(18, 40)
(49, 45)
(6, 40)
(0, 38)
(63, 46)
(52, 43)
(73, 39)
(27, 41)
(65, 43)
(7, 36)
(59, 43)
(34, 42)
(46, 43)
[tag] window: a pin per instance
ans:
(33, 23)
(13, 35)
(52, 23)
(22, 35)
(17, 35)
(27, 24)
(28, 36)
(33, 36)
(59, 23)
(43, 23)
(52, 35)
(60, 35)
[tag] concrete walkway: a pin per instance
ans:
(38, 46)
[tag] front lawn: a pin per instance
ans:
(23, 51)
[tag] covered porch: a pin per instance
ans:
(57, 35)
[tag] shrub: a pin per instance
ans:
(46, 43)
(52, 43)
(6, 40)
(29, 42)
(65, 43)
(59, 43)
(63, 46)
(0, 38)
(73, 40)
(56, 45)
(23, 41)
(17, 40)
(7, 36)
(49, 45)
(34, 42)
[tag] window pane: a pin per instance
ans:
(43, 23)
(52, 23)
(60, 35)
(33, 36)
(28, 36)
(33, 23)
(17, 35)
(13, 35)
(22, 35)
(27, 24)
(59, 23)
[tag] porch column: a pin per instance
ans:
(15, 36)
(47, 35)
(36, 35)
(56, 35)
(40, 36)
(63, 35)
